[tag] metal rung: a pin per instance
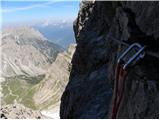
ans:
(136, 57)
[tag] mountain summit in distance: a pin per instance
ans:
(25, 51)
(59, 32)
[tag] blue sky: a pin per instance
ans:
(26, 11)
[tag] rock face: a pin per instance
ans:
(18, 111)
(26, 52)
(91, 83)
(49, 91)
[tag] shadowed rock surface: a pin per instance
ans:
(90, 88)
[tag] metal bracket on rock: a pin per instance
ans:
(135, 58)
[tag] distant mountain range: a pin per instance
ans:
(25, 51)
(60, 32)
(34, 71)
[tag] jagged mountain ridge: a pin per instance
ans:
(25, 51)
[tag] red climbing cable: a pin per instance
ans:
(119, 88)
(121, 74)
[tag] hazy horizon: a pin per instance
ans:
(30, 12)
(54, 19)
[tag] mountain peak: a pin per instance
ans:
(26, 32)
(25, 49)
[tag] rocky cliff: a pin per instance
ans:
(18, 111)
(89, 92)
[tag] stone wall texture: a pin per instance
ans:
(91, 83)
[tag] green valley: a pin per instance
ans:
(20, 89)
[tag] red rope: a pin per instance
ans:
(118, 88)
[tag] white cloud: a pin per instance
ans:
(38, 5)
